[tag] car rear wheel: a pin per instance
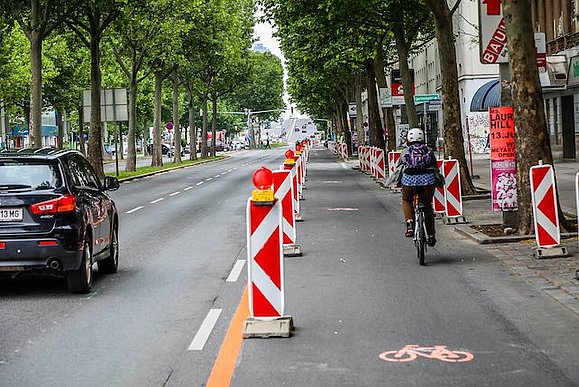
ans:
(110, 264)
(80, 281)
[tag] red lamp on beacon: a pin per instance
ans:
(263, 180)
(289, 158)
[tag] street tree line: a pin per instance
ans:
(337, 48)
(175, 57)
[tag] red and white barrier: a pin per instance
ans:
(296, 201)
(438, 202)
(361, 158)
(373, 161)
(380, 171)
(393, 157)
(545, 211)
(265, 254)
(283, 190)
(366, 159)
(452, 188)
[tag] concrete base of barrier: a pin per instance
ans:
(292, 250)
(455, 220)
(281, 327)
(550, 252)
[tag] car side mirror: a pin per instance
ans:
(111, 183)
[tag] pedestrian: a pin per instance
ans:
(417, 172)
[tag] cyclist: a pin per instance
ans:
(417, 173)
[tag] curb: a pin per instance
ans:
(126, 179)
(483, 239)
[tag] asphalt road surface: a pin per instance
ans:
(357, 293)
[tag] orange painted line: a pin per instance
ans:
(224, 365)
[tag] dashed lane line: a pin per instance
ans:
(205, 330)
(175, 193)
(216, 176)
(134, 210)
(157, 200)
(209, 179)
(188, 188)
(201, 182)
(236, 271)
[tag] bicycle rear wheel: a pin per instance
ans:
(420, 238)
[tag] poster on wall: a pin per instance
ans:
(478, 128)
(503, 159)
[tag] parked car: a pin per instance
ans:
(164, 149)
(56, 216)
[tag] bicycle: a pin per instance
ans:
(419, 229)
(438, 352)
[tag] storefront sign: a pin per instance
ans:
(397, 88)
(573, 77)
(541, 47)
(503, 158)
(492, 34)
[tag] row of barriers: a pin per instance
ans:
(272, 212)
(447, 199)
(338, 148)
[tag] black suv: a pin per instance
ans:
(55, 215)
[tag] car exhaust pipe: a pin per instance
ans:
(54, 264)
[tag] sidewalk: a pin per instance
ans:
(555, 277)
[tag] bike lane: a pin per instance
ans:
(358, 295)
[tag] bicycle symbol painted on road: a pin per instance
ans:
(438, 352)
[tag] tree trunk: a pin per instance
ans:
(121, 150)
(388, 113)
(205, 126)
(453, 135)
(131, 163)
(360, 130)
(345, 127)
(402, 49)
(176, 125)
(35, 38)
(192, 128)
(214, 124)
(60, 131)
(531, 134)
(81, 130)
(95, 149)
(157, 159)
(376, 129)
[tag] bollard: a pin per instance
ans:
(283, 190)
(452, 192)
(265, 271)
(545, 212)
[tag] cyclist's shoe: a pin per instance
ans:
(409, 229)
(431, 241)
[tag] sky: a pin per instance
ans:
(263, 34)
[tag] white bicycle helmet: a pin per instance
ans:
(415, 135)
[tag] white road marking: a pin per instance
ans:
(188, 188)
(224, 173)
(175, 193)
(209, 179)
(157, 200)
(231, 170)
(236, 271)
(134, 210)
(205, 330)
(216, 176)
(201, 182)
(234, 168)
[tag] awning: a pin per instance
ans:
(488, 95)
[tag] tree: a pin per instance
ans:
(453, 136)
(37, 19)
(531, 133)
(89, 22)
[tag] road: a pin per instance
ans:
(356, 293)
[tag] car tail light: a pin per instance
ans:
(2, 245)
(65, 203)
(47, 243)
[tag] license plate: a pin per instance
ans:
(10, 214)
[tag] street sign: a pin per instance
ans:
(422, 98)
(492, 34)
(397, 88)
(114, 107)
(352, 110)
(541, 47)
(385, 97)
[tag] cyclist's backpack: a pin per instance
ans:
(418, 156)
